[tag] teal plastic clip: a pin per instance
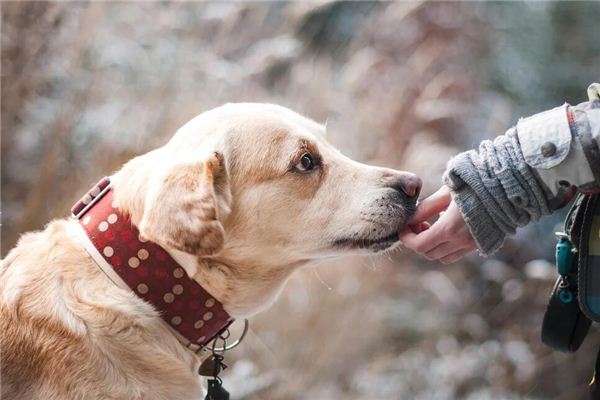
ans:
(565, 258)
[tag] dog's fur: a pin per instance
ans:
(226, 199)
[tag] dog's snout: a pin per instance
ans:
(407, 183)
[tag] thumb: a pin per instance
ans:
(432, 205)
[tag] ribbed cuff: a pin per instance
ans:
(487, 235)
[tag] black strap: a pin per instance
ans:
(564, 327)
(589, 262)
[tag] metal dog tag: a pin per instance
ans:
(210, 367)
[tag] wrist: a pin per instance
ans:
(485, 232)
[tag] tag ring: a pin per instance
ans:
(227, 347)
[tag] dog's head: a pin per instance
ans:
(259, 184)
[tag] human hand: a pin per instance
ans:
(448, 239)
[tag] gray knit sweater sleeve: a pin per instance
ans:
(522, 175)
(495, 190)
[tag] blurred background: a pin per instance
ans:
(86, 86)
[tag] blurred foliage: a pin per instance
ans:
(546, 52)
(85, 86)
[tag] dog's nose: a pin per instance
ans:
(408, 183)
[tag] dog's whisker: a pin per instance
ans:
(316, 273)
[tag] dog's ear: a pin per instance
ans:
(182, 208)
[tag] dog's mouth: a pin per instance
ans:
(379, 243)
(374, 245)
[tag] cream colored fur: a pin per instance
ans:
(225, 201)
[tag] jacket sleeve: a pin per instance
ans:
(530, 171)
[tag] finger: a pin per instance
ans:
(424, 241)
(442, 250)
(406, 235)
(420, 227)
(454, 257)
(433, 205)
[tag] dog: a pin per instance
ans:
(240, 197)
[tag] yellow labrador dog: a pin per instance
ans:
(240, 197)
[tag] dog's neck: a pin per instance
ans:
(142, 266)
(241, 292)
(235, 284)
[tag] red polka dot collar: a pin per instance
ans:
(147, 269)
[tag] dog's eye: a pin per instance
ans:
(306, 163)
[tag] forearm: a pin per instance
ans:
(496, 191)
(526, 173)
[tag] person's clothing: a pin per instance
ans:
(532, 170)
